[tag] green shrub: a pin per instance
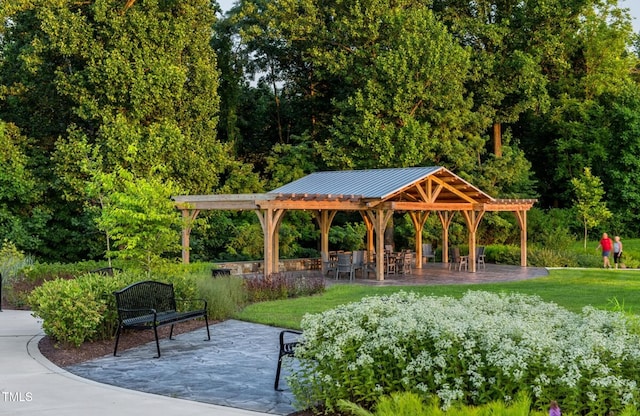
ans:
(224, 295)
(411, 404)
(502, 254)
(481, 348)
(77, 310)
(588, 260)
(83, 309)
(544, 257)
(12, 261)
(41, 272)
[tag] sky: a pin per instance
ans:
(632, 5)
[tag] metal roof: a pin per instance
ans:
(370, 183)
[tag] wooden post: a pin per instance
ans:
(472, 218)
(188, 216)
(370, 236)
(380, 218)
(324, 219)
(270, 219)
(522, 221)
(418, 219)
(445, 220)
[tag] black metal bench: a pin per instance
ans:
(286, 349)
(150, 305)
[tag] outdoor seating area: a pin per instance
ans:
(377, 194)
(461, 261)
(346, 263)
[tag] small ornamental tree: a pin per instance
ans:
(141, 219)
(588, 201)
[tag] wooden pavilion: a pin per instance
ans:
(376, 194)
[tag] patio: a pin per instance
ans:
(441, 274)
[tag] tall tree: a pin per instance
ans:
(372, 76)
(383, 84)
(511, 43)
(403, 110)
(137, 85)
(21, 220)
(588, 92)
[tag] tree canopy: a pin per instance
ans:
(516, 96)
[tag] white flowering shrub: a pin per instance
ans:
(474, 350)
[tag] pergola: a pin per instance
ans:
(376, 194)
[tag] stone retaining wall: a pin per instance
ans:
(254, 267)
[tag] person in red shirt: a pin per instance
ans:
(605, 244)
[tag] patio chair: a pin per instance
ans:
(480, 256)
(344, 265)
(327, 264)
(428, 253)
(391, 264)
(405, 263)
(358, 261)
(458, 260)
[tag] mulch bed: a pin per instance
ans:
(66, 355)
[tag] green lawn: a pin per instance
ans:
(570, 288)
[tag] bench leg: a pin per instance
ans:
(206, 321)
(171, 332)
(115, 350)
(275, 384)
(155, 331)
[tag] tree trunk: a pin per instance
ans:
(497, 139)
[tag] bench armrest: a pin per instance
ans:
(288, 331)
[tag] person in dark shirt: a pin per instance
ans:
(617, 250)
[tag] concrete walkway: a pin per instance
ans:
(32, 385)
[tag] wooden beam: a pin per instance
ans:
(328, 204)
(455, 190)
(220, 206)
